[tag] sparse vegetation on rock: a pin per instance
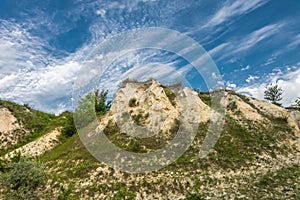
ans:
(256, 156)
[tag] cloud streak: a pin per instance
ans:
(247, 42)
(233, 9)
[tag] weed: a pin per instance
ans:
(171, 95)
(132, 102)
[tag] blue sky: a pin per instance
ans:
(43, 43)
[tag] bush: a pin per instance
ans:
(21, 178)
(69, 128)
(171, 95)
(296, 103)
(132, 102)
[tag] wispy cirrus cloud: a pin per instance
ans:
(19, 49)
(233, 9)
(295, 42)
(259, 35)
(29, 74)
(247, 42)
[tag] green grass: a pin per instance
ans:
(170, 94)
(237, 146)
(139, 145)
(54, 122)
(205, 97)
(32, 120)
(35, 122)
(71, 149)
(283, 183)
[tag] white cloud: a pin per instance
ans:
(247, 42)
(219, 49)
(295, 42)
(29, 74)
(232, 9)
(288, 81)
(259, 35)
(251, 78)
(230, 86)
(270, 60)
(101, 12)
(246, 68)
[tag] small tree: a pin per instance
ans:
(87, 106)
(101, 103)
(297, 103)
(273, 94)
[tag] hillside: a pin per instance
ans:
(256, 157)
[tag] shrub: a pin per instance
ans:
(69, 128)
(205, 97)
(22, 178)
(122, 192)
(132, 102)
(171, 95)
(85, 111)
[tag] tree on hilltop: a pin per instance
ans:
(273, 93)
(297, 103)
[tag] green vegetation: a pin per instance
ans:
(37, 123)
(64, 121)
(22, 178)
(243, 148)
(273, 94)
(122, 192)
(239, 144)
(205, 97)
(132, 102)
(171, 95)
(139, 145)
(194, 197)
(102, 105)
(90, 106)
(66, 193)
(232, 106)
(140, 118)
(33, 120)
(68, 125)
(296, 103)
(85, 111)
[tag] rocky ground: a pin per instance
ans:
(255, 157)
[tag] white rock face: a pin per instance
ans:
(158, 113)
(295, 115)
(10, 129)
(245, 110)
(274, 111)
(8, 122)
(39, 146)
(151, 104)
(151, 99)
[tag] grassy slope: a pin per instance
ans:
(238, 148)
(33, 121)
(37, 123)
